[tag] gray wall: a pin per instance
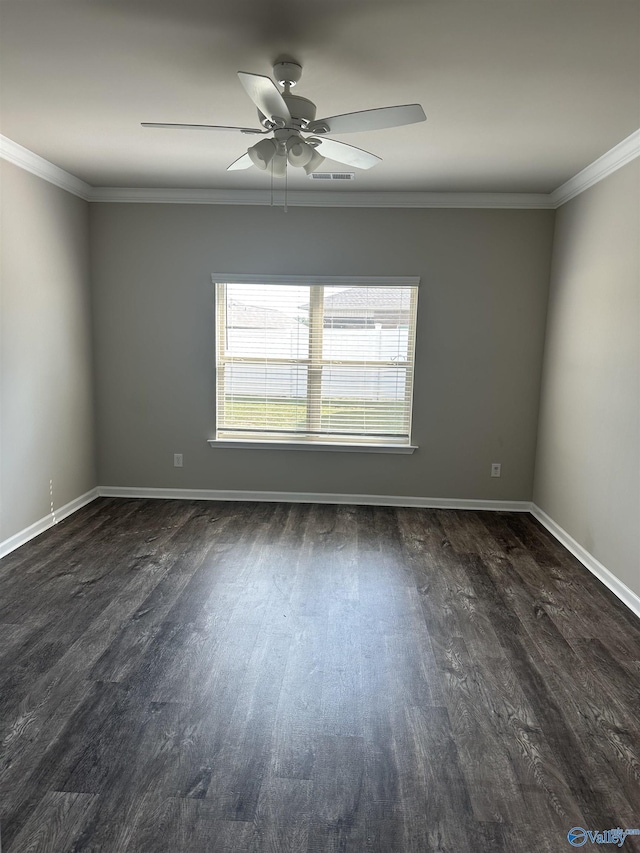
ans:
(46, 412)
(482, 311)
(588, 462)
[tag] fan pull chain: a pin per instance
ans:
(286, 186)
(271, 184)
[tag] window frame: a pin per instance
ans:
(372, 444)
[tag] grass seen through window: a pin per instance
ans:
(336, 415)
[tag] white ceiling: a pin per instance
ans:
(520, 95)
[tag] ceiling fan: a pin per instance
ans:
(297, 136)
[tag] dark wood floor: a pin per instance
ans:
(194, 676)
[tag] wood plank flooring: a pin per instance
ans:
(203, 676)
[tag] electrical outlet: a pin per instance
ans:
(496, 469)
(177, 460)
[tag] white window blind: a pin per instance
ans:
(316, 362)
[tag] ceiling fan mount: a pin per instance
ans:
(288, 117)
(287, 73)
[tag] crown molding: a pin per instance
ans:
(321, 198)
(614, 159)
(30, 162)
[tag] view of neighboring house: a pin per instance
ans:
(365, 348)
(386, 307)
(243, 316)
(381, 307)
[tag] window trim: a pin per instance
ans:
(252, 442)
(276, 444)
(328, 280)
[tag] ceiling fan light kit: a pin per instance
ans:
(289, 116)
(316, 160)
(262, 153)
(299, 152)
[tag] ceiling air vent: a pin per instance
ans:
(333, 176)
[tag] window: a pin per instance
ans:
(323, 361)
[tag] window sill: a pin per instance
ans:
(240, 444)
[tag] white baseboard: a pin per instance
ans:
(312, 497)
(617, 587)
(45, 523)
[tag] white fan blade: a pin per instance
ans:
(201, 127)
(265, 95)
(243, 162)
(371, 119)
(343, 153)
